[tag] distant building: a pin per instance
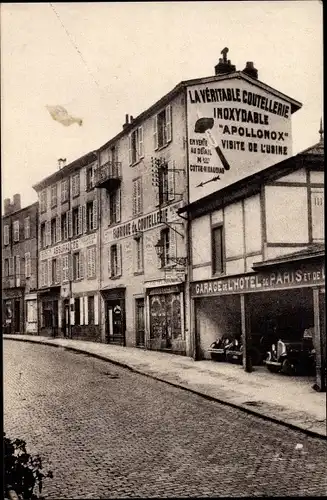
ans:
(69, 269)
(19, 267)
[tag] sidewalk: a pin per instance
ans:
(288, 400)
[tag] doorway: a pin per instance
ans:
(140, 330)
(17, 316)
(115, 324)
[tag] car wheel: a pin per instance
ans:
(273, 368)
(287, 367)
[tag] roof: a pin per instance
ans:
(311, 251)
(14, 214)
(252, 184)
(87, 158)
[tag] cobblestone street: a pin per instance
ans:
(109, 433)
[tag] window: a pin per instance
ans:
(65, 268)
(55, 269)
(11, 266)
(54, 196)
(165, 247)
(28, 265)
(17, 266)
(77, 266)
(136, 151)
(27, 228)
(217, 250)
(44, 273)
(77, 309)
(16, 230)
(43, 235)
(114, 207)
(115, 261)
(6, 235)
(138, 249)
(64, 226)
(90, 309)
(89, 216)
(6, 267)
(76, 221)
(43, 201)
(91, 262)
(75, 185)
(137, 196)
(162, 128)
(53, 231)
(163, 182)
(89, 178)
(64, 190)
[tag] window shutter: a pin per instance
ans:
(11, 266)
(81, 264)
(70, 267)
(27, 264)
(6, 235)
(171, 180)
(80, 220)
(86, 311)
(58, 228)
(109, 262)
(168, 123)
(130, 148)
(119, 260)
(48, 233)
(59, 269)
(50, 277)
(139, 196)
(70, 224)
(84, 224)
(81, 309)
(17, 266)
(95, 214)
(172, 245)
(118, 201)
(96, 309)
(141, 149)
(134, 197)
(155, 131)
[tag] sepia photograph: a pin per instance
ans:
(163, 250)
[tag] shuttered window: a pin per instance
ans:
(115, 260)
(136, 146)
(64, 190)
(27, 264)
(43, 201)
(16, 230)
(27, 228)
(137, 196)
(91, 262)
(54, 196)
(76, 185)
(6, 235)
(65, 268)
(162, 128)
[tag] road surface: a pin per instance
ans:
(109, 433)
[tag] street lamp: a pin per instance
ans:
(159, 246)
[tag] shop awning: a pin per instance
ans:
(310, 252)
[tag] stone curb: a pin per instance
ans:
(225, 402)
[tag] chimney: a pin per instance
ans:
(131, 119)
(61, 163)
(6, 206)
(16, 202)
(126, 121)
(224, 66)
(250, 70)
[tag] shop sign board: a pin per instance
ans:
(235, 129)
(303, 276)
(66, 247)
(142, 223)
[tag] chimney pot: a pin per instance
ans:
(250, 70)
(224, 65)
(7, 207)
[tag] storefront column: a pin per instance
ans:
(320, 384)
(245, 336)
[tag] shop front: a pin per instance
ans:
(280, 300)
(166, 319)
(13, 311)
(31, 313)
(114, 315)
(49, 300)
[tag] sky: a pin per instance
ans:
(103, 60)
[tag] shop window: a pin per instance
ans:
(75, 185)
(217, 250)
(64, 190)
(90, 309)
(16, 230)
(27, 228)
(77, 261)
(64, 226)
(77, 309)
(162, 128)
(53, 231)
(43, 235)
(137, 196)
(89, 178)
(136, 151)
(43, 201)
(54, 196)
(6, 235)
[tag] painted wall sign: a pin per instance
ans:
(62, 248)
(143, 223)
(305, 276)
(234, 130)
(84, 241)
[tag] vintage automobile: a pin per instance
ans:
(218, 348)
(292, 357)
(257, 352)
